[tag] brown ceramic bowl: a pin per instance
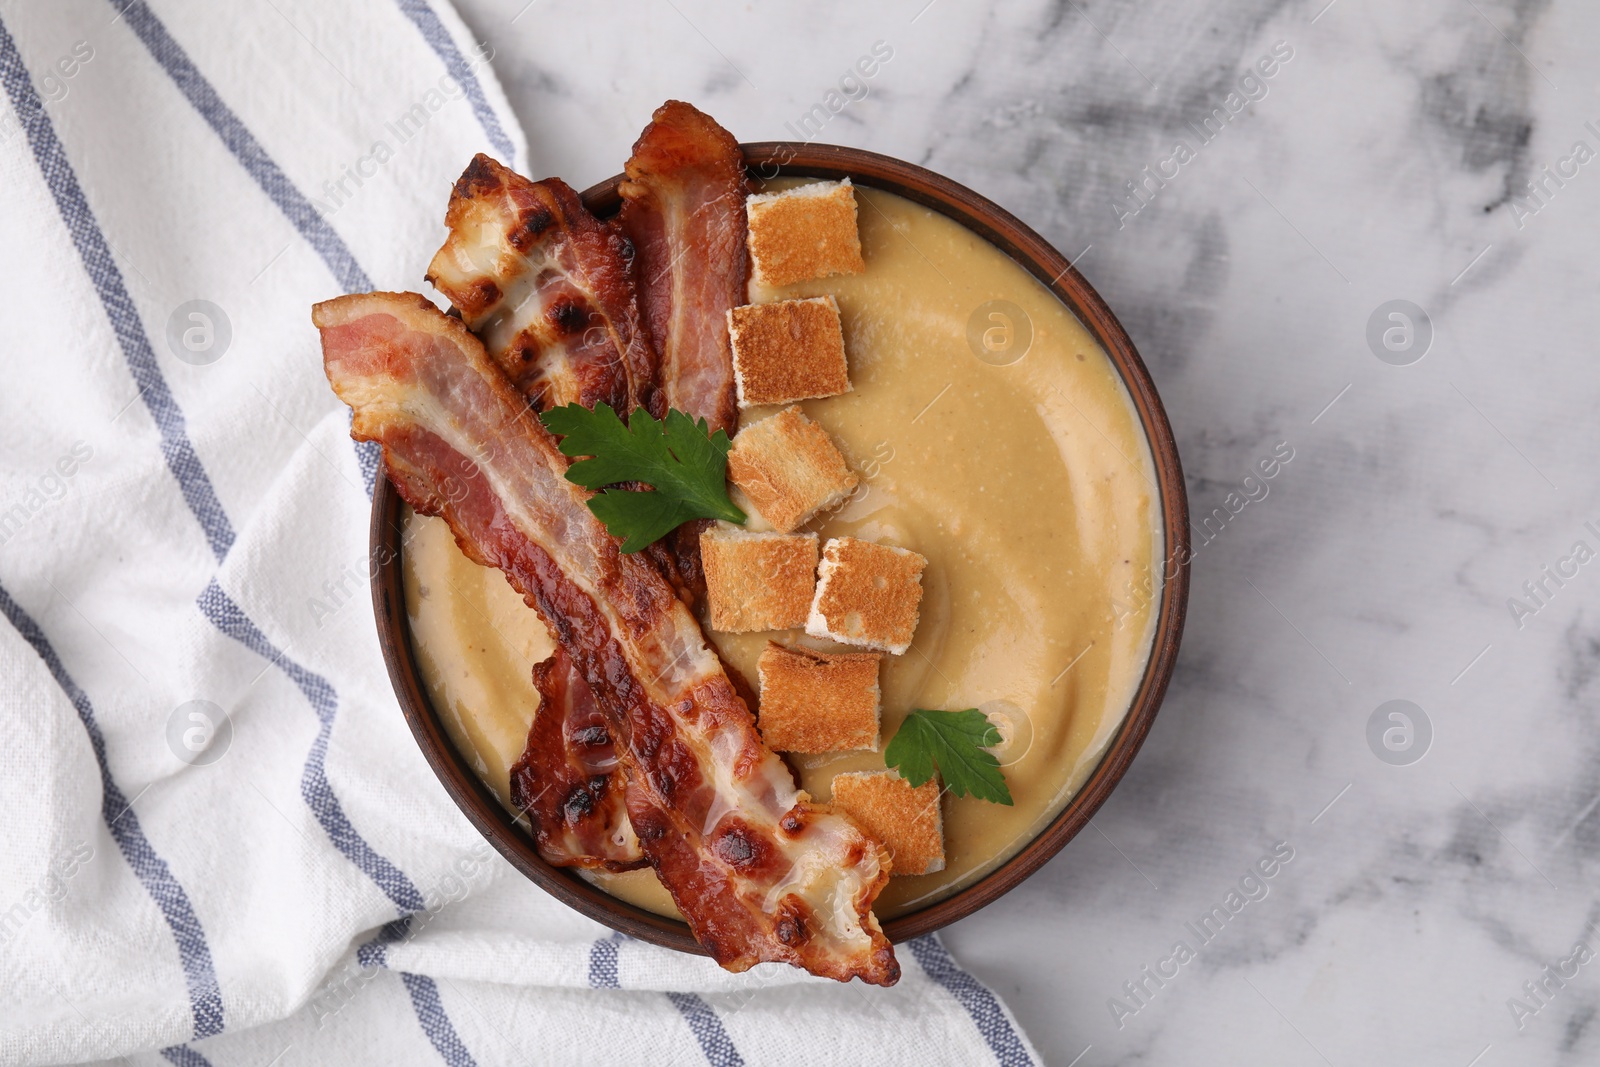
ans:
(784, 158)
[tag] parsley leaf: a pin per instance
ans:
(686, 466)
(958, 742)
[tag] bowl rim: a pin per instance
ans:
(772, 159)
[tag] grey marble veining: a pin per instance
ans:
(1387, 157)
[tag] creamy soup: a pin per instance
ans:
(1026, 482)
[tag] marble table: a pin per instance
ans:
(1432, 540)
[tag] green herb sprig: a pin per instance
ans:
(685, 465)
(958, 743)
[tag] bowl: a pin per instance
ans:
(773, 159)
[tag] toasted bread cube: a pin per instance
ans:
(905, 818)
(867, 595)
(757, 581)
(787, 351)
(809, 231)
(788, 468)
(818, 701)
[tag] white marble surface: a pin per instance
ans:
(1376, 167)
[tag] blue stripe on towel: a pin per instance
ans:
(703, 1021)
(213, 602)
(180, 455)
(981, 1004)
(444, 46)
(603, 962)
(369, 455)
(195, 484)
(194, 954)
(708, 1030)
(374, 953)
(242, 143)
(227, 616)
(424, 993)
(435, 1023)
(260, 165)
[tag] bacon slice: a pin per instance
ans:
(504, 231)
(564, 781)
(683, 209)
(759, 871)
(547, 287)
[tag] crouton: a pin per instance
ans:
(787, 351)
(788, 469)
(818, 701)
(867, 595)
(809, 231)
(905, 818)
(757, 581)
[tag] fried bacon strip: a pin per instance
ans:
(564, 781)
(759, 872)
(504, 231)
(547, 287)
(683, 209)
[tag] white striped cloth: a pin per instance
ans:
(221, 844)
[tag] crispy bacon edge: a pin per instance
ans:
(759, 872)
(547, 287)
(564, 781)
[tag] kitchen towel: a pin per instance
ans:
(221, 844)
